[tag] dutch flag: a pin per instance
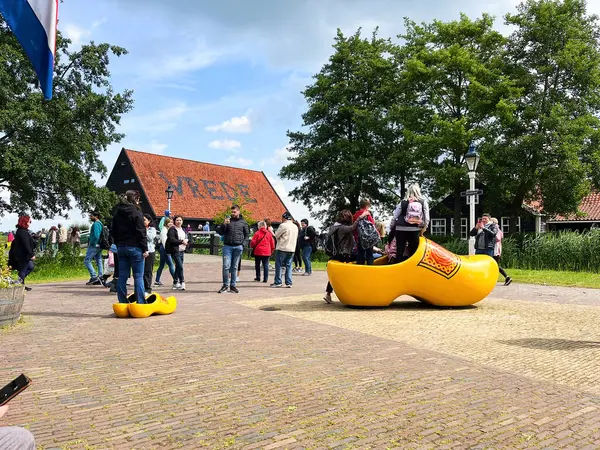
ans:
(33, 22)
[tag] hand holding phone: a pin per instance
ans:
(14, 388)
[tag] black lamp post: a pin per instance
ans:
(169, 192)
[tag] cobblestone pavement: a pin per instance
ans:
(221, 374)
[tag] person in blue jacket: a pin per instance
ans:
(94, 251)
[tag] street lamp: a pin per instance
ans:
(472, 160)
(169, 192)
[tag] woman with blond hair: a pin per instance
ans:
(498, 252)
(411, 219)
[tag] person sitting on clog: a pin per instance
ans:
(341, 241)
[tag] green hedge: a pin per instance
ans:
(566, 250)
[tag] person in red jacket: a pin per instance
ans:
(364, 254)
(263, 245)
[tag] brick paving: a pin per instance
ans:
(221, 374)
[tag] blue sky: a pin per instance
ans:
(221, 81)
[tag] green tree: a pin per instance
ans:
(341, 155)
(244, 211)
(456, 70)
(548, 148)
(49, 151)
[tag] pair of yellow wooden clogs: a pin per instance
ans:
(155, 304)
(432, 275)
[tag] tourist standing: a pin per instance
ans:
(149, 260)
(485, 236)
(498, 252)
(94, 251)
(297, 252)
(165, 258)
(175, 246)
(364, 255)
(53, 240)
(307, 238)
(129, 234)
(21, 254)
(263, 245)
(63, 235)
(235, 232)
(43, 240)
(11, 237)
(411, 219)
(206, 227)
(75, 238)
(287, 237)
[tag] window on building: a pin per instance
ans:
(464, 227)
(125, 181)
(505, 224)
(132, 180)
(438, 227)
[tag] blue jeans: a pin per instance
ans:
(164, 259)
(93, 254)
(131, 259)
(231, 259)
(306, 252)
(485, 251)
(283, 259)
(178, 259)
(25, 270)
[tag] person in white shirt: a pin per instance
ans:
(286, 237)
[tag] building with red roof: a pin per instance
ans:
(201, 190)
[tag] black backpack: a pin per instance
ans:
(367, 234)
(331, 245)
(105, 238)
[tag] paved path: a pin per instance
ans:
(222, 373)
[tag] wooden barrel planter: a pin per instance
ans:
(11, 302)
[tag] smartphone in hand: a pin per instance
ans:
(14, 388)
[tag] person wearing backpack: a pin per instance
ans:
(94, 250)
(411, 219)
(365, 234)
(340, 241)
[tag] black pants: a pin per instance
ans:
(265, 262)
(502, 271)
(298, 257)
(402, 237)
(148, 266)
(341, 258)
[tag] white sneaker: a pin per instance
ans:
(182, 286)
(176, 286)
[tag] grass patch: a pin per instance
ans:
(20, 323)
(49, 273)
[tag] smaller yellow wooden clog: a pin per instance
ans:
(155, 304)
(121, 310)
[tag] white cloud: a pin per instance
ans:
(243, 162)
(76, 33)
(225, 144)
(156, 147)
(280, 157)
(168, 65)
(234, 125)
(298, 210)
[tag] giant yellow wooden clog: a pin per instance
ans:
(155, 304)
(432, 275)
(121, 310)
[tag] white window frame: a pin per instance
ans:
(505, 224)
(464, 228)
(476, 197)
(435, 225)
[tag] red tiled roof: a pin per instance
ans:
(589, 210)
(202, 190)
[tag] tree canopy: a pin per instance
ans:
(49, 150)
(383, 114)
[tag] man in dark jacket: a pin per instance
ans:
(235, 232)
(307, 238)
(129, 233)
(485, 236)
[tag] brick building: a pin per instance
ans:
(202, 190)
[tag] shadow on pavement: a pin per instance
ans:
(67, 314)
(552, 344)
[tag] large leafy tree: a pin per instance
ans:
(49, 151)
(456, 70)
(340, 155)
(548, 148)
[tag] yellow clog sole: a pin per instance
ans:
(432, 275)
(155, 304)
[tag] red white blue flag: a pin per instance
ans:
(33, 22)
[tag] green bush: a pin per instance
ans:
(565, 250)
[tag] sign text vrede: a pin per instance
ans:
(209, 189)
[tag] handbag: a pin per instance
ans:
(261, 239)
